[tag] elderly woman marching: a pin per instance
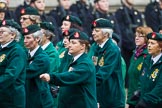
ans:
(12, 66)
(38, 93)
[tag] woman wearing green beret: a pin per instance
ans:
(151, 76)
(12, 66)
(107, 60)
(78, 84)
(136, 62)
(38, 93)
(68, 22)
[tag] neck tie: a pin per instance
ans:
(151, 62)
(0, 47)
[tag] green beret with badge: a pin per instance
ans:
(47, 26)
(102, 23)
(79, 35)
(11, 23)
(32, 1)
(155, 36)
(95, 1)
(72, 19)
(29, 11)
(69, 32)
(31, 29)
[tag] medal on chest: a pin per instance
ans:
(101, 61)
(62, 55)
(2, 57)
(154, 74)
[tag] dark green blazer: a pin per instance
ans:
(110, 83)
(151, 83)
(12, 76)
(37, 91)
(78, 85)
(134, 73)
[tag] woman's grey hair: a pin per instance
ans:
(38, 34)
(49, 33)
(17, 33)
(107, 30)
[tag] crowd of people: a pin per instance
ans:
(80, 55)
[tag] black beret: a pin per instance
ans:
(29, 11)
(96, 1)
(11, 23)
(79, 35)
(69, 32)
(32, 1)
(47, 26)
(155, 36)
(72, 19)
(31, 29)
(102, 23)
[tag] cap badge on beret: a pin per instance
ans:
(76, 35)
(94, 23)
(67, 17)
(153, 35)
(25, 30)
(22, 11)
(4, 22)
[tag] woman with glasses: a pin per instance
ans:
(12, 66)
(134, 70)
(29, 16)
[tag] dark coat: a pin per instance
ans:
(12, 76)
(77, 85)
(37, 91)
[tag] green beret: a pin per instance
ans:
(47, 26)
(160, 27)
(155, 36)
(11, 23)
(116, 37)
(69, 32)
(29, 11)
(72, 19)
(79, 35)
(96, 1)
(102, 23)
(32, 1)
(31, 29)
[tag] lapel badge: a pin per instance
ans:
(2, 57)
(101, 62)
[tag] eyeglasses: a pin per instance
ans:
(139, 36)
(24, 18)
